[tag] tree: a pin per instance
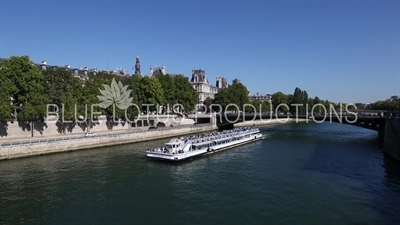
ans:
(222, 99)
(261, 106)
(266, 107)
(58, 84)
(258, 105)
(6, 86)
(236, 94)
(385, 105)
(360, 105)
(279, 98)
(185, 95)
(25, 85)
(148, 91)
(167, 82)
(207, 103)
(5, 106)
(319, 106)
(299, 97)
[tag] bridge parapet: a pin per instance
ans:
(372, 122)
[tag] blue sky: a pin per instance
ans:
(343, 51)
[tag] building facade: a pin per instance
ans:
(262, 98)
(395, 98)
(236, 81)
(202, 85)
(157, 70)
(221, 82)
(137, 67)
(81, 73)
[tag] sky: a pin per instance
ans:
(342, 51)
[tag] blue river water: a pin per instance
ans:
(300, 174)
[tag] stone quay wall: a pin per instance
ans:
(17, 130)
(392, 137)
(48, 147)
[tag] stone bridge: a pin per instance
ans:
(369, 121)
(387, 125)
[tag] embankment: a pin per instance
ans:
(52, 127)
(392, 137)
(19, 151)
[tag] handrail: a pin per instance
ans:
(116, 134)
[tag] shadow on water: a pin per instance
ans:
(357, 156)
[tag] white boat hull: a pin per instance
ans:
(205, 151)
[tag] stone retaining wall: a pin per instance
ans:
(392, 137)
(15, 130)
(19, 151)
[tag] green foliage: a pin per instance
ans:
(185, 94)
(318, 106)
(177, 90)
(385, 105)
(168, 85)
(5, 106)
(24, 83)
(360, 105)
(261, 106)
(207, 103)
(222, 98)
(236, 94)
(58, 84)
(277, 99)
(148, 91)
(300, 97)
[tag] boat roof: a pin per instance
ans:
(174, 143)
(177, 141)
(202, 143)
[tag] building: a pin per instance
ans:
(236, 81)
(394, 98)
(158, 70)
(262, 98)
(221, 82)
(203, 87)
(137, 66)
(77, 72)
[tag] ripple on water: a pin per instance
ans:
(299, 174)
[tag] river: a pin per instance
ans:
(300, 174)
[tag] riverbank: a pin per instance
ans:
(64, 144)
(50, 147)
(268, 122)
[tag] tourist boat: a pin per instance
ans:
(182, 148)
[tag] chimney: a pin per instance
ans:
(43, 65)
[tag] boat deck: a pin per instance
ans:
(210, 143)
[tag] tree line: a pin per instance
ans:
(26, 91)
(299, 102)
(238, 95)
